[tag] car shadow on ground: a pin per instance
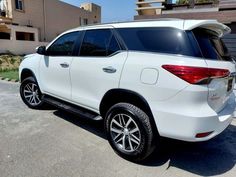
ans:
(95, 127)
(214, 157)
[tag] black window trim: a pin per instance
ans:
(113, 32)
(77, 41)
(120, 41)
(194, 42)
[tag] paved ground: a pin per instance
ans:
(54, 143)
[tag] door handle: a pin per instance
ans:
(109, 69)
(64, 65)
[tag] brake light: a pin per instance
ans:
(196, 75)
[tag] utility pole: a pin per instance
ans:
(44, 21)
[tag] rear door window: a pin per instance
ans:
(211, 45)
(100, 42)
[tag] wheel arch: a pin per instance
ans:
(114, 96)
(26, 73)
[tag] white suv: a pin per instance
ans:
(171, 78)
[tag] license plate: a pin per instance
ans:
(230, 84)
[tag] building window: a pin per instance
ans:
(85, 21)
(19, 4)
(4, 35)
(24, 36)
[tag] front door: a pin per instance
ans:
(55, 67)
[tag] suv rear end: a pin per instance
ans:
(186, 75)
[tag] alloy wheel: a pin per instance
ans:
(31, 94)
(125, 132)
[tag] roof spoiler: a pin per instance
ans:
(213, 25)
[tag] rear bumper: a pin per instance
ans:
(184, 124)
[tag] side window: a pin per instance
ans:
(154, 39)
(64, 45)
(99, 43)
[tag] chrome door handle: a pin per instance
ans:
(64, 65)
(109, 69)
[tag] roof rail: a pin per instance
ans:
(133, 21)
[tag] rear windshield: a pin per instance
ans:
(161, 40)
(211, 45)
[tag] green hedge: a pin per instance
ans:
(9, 62)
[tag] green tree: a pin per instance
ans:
(182, 2)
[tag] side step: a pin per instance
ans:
(71, 108)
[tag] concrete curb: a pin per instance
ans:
(9, 80)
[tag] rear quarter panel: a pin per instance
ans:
(166, 86)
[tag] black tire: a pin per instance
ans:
(145, 133)
(25, 92)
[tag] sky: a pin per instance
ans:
(112, 10)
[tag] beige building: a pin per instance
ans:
(25, 23)
(149, 7)
(222, 10)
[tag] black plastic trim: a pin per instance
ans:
(72, 108)
(27, 70)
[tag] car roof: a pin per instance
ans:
(161, 22)
(181, 24)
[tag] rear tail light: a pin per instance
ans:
(196, 75)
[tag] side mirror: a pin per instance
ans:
(42, 50)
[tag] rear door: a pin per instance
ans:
(98, 67)
(217, 56)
